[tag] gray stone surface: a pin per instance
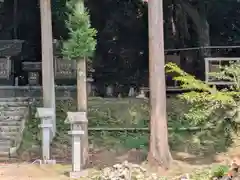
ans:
(76, 117)
(13, 113)
(36, 91)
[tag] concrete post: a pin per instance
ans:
(76, 119)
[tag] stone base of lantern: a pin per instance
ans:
(77, 175)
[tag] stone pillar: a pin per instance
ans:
(131, 92)
(47, 116)
(76, 119)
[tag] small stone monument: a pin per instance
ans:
(46, 115)
(109, 91)
(131, 92)
(76, 119)
(33, 69)
(142, 94)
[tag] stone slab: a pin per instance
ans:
(76, 117)
(45, 112)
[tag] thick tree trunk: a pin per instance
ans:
(159, 154)
(82, 105)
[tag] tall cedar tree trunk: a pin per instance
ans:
(82, 105)
(159, 154)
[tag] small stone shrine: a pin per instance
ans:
(33, 69)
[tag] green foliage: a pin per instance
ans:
(209, 173)
(123, 113)
(220, 171)
(82, 40)
(207, 102)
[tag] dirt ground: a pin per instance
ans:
(28, 172)
(182, 164)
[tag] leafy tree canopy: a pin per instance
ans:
(82, 42)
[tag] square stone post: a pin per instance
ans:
(76, 119)
(47, 116)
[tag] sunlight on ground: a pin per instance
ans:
(27, 171)
(36, 172)
(58, 171)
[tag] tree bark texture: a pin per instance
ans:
(82, 105)
(159, 153)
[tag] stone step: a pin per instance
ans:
(5, 157)
(7, 138)
(13, 104)
(5, 148)
(5, 143)
(12, 113)
(9, 128)
(8, 135)
(12, 108)
(11, 118)
(14, 99)
(10, 123)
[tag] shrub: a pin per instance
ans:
(209, 105)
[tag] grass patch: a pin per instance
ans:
(112, 112)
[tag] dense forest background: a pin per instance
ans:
(122, 41)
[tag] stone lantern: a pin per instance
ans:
(46, 115)
(76, 119)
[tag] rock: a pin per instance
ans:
(126, 171)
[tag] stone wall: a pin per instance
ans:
(36, 91)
